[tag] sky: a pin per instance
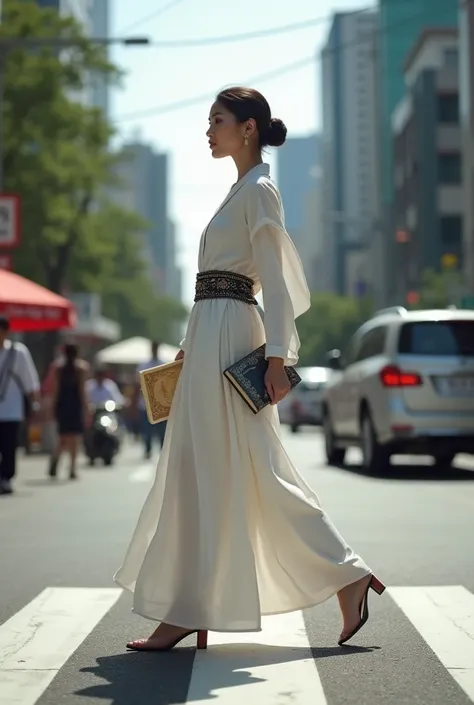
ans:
(158, 77)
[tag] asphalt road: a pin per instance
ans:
(66, 647)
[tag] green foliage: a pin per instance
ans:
(439, 289)
(330, 323)
(56, 157)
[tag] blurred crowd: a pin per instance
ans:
(77, 407)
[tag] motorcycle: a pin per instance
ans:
(103, 438)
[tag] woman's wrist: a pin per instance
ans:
(276, 362)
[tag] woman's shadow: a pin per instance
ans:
(164, 679)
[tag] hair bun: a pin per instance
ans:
(276, 133)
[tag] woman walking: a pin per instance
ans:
(230, 531)
(70, 407)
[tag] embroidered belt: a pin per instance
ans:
(217, 284)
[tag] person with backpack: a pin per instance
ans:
(18, 379)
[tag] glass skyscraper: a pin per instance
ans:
(401, 22)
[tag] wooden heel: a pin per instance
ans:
(202, 639)
(376, 585)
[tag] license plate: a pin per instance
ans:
(458, 385)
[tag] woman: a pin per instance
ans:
(230, 531)
(70, 406)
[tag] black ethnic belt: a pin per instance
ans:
(217, 284)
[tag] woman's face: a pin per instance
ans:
(226, 135)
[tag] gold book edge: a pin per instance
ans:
(241, 391)
(164, 411)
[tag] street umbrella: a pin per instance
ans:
(30, 307)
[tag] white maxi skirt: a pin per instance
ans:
(230, 531)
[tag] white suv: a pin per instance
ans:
(406, 386)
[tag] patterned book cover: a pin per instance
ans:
(158, 386)
(247, 376)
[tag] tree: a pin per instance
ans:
(57, 157)
(124, 283)
(329, 323)
(56, 149)
(439, 289)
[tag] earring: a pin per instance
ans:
(246, 141)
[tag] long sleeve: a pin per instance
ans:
(285, 291)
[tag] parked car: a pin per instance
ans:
(304, 404)
(406, 386)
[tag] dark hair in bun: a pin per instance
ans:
(246, 104)
(276, 133)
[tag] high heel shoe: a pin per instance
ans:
(377, 587)
(141, 644)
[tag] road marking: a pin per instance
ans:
(271, 666)
(444, 616)
(37, 641)
(142, 474)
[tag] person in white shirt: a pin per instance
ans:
(102, 388)
(18, 379)
(147, 430)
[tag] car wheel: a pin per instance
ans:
(375, 458)
(334, 454)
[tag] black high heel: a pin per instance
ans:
(141, 644)
(377, 587)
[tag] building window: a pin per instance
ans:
(449, 168)
(450, 228)
(448, 108)
(451, 58)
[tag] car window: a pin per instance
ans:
(437, 338)
(372, 343)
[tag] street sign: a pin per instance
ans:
(449, 260)
(9, 221)
(6, 262)
(467, 302)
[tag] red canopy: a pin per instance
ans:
(31, 307)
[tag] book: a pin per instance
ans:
(247, 376)
(158, 385)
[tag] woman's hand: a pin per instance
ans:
(180, 355)
(276, 380)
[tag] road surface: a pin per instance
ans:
(64, 624)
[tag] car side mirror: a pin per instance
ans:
(334, 360)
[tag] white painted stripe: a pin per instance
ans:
(271, 666)
(444, 616)
(142, 474)
(37, 641)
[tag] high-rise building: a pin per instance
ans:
(93, 15)
(400, 23)
(143, 188)
(296, 162)
(466, 93)
(426, 141)
(100, 28)
(349, 158)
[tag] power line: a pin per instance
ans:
(275, 73)
(153, 15)
(246, 36)
(171, 107)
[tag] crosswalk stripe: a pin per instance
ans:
(142, 474)
(38, 640)
(444, 617)
(271, 666)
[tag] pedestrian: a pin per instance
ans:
(18, 380)
(148, 430)
(70, 407)
(230, 530)
(102, 388)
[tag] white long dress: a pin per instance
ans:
(230, 531)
